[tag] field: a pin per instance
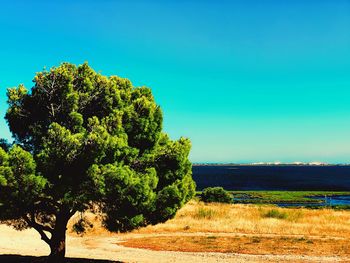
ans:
(239, 232)
(249, 229)
(288, 197)
(251, 219)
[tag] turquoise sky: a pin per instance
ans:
(246, 80)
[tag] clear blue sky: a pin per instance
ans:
(246, 80)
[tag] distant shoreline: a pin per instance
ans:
(267, 164)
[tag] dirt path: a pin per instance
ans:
(28, 242)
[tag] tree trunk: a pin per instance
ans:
(58, 239)
(58, 247)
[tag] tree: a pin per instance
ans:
(83, 139)
(4, 144)
(216, 194)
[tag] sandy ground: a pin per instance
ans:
(28, 242)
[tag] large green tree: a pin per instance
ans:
(84, 140)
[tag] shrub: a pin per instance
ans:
(273, 213)
(82, 226)
(216, 194)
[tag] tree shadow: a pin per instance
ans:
(31, 259)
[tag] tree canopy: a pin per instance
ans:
(83, 139)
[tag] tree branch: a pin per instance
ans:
(48, 201)
(72, 212)
(52, 110)
(40, 228)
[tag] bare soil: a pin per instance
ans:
(115, 247)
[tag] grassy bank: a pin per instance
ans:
(282, 196)
(286, 197)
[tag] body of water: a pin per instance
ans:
(288, 178)
(324, 201)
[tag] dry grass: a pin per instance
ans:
(93, 220)
(244, 245)
(247, 229)
(253, 219)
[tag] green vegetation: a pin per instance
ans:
(266, 197)
(216, 194)
(82, 139)
(273, 213)
(295, 198)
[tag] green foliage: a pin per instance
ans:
(81, 139)
(274, 213)
(20, 186)
(216, 194)
(295, 198)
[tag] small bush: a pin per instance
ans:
(216, 194)
(187, 227)
(276, 214)
(82, 226)
(256, 240)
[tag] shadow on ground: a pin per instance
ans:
(30, 259)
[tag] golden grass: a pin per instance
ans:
(249, 229)
(94, 220)
(244, 245)
(252, 219)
